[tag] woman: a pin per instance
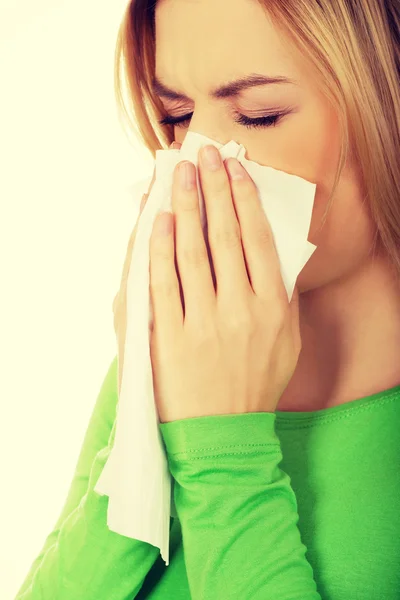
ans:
(296, 496)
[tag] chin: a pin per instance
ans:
(312, 275)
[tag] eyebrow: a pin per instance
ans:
(228, 90)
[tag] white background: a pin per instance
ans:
(65, 220)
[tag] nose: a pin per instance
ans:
(208, 120)
(217, 137)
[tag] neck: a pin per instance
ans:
(350, 332)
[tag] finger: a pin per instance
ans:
(191, 251)
(260, 253)
(224, 235)
(164, 285)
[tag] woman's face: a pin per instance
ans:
(202, 44)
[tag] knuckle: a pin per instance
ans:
(203, 333)
(162, 287)
(278, 309)
(263, 236)
(226, 238)
(282, 300)
(195, 256)
(159, 251)
(189, 205)
(241, 322)
(219, 183)
(281, 313)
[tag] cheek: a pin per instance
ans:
(345, 240)
(310, 149)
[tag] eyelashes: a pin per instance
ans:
(264, 121)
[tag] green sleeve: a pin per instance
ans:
(237, 509)
(81, 558)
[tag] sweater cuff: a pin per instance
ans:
(221, 434)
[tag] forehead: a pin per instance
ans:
(201, 43)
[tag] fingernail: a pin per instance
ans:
(212, 157)
(187, 175)
(175, 146)
(235, 169)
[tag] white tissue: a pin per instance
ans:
(136, 476)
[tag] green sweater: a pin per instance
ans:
(280, 506)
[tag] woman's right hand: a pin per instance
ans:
(119, 303)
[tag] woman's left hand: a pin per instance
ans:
(232, 348)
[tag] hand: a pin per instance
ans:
(230, 349)
(119, 303)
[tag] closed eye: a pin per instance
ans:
(264, 121)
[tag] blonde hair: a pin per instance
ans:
(355, 47)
